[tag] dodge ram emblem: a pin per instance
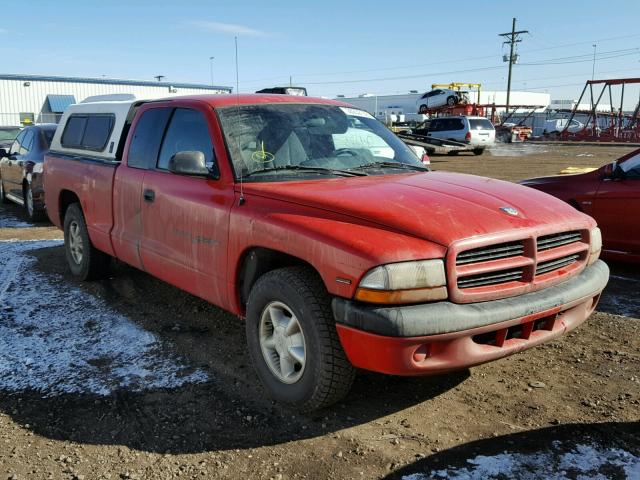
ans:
(510, 210)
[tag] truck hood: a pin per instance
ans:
(436, 206)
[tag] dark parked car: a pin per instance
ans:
(21, 169)
(8, 135)
(611, 195)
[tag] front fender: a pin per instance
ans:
(340, 248)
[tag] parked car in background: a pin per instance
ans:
(439, 98)
(339, 250)
(8, 135)
(611, 195)
(478, 132)
(297, 91)
(21, 170)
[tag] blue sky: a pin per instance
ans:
(332, 47)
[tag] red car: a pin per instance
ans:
(611, 195)
(323, 231)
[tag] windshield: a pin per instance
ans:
(292, 140)
(8, 133)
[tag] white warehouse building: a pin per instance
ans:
(28, 99)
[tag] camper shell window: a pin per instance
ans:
(88, 131)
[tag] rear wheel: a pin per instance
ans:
(85, 261)
(478, 151)
(451, 101)
(293, 340)
(35, 213)
(453, 153)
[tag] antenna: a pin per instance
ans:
(241, 199)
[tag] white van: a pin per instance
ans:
(478, 132)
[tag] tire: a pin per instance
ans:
(85, 261)
(451, 101)
(478, 151)
(453, 153)
(324, 376)
(34, 213)
(423, 109)
(3, 195)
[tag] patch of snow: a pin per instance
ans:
(585, 462)
(7, 221)
(516, 149)
(56, 339)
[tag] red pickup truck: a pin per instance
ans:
(319, 227)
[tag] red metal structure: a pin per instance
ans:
(611, 126)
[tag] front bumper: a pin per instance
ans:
(443, 336)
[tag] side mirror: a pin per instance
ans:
(189, 162)
(3, 153)
(618, 173)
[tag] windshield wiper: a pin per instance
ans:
(322, 170)
(404, 166)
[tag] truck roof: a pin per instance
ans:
(123, 110)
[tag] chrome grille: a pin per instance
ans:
(556, 264)
(491, 252)
(557, 240)
(490, 278)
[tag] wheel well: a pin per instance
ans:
(67, 197)
(258, 261)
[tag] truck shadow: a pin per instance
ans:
(227, 411)
(522, 454)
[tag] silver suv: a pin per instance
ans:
(478, 132)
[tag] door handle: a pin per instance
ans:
(149, 195)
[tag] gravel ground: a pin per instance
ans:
(132, 378)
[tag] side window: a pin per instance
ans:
(457, 124)
(27, 143)
(73, 131)
(15, 146)
(631, 167)
(145, 144)
(434, 126)
(187, 132)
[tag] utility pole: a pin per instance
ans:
(593, 68)
(211, 68)
(513, 37)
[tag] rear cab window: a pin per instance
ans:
(147, 137)
(480, 124)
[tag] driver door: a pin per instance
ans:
(185, 218)
(617, 208)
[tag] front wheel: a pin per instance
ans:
(451, 101)
(423, 109)
(293, 341)
(85, 261)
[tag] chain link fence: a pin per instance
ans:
(23, 119)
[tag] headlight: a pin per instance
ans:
(405, 282)
(596, 245)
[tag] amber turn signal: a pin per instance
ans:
(390, 297)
